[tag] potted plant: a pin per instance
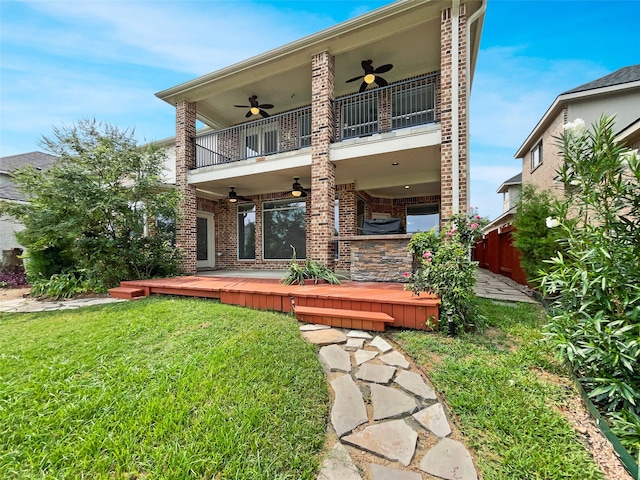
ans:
(311, 270)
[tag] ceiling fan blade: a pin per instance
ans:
(383, 68)
(243, 106)
(248, 114)
(354, 79)
(253, 100)
(266, 105)
(366, 66)
(381, 82)
(263, 113)
(363, 87)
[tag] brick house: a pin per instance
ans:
(306, 144)
(615, 94)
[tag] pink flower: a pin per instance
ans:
(474, 226)
(406, 274)
(429, 259)
(450, 233)
(477, 217)
(426, 254)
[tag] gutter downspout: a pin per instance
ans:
(455, 133)
(470, 21)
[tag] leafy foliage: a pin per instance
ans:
(88, 213)
(596, 281)
(536, 242)
(446, 270)
(297, 274)
(12, 277)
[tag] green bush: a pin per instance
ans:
(532, 238)
(595, 321)
(64, 285)
(446, 270)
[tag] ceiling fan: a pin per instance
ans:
(297, 190)
(234, 197)
(371, 75)
(255, 108)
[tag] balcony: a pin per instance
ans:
(400, 105)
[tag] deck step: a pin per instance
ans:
(341, 318)
(128, 293)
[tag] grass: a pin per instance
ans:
(159, 388)
(506, 390)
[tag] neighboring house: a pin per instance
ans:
(615, 94)
(9, 192)
(364, 120)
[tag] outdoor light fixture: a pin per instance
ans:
(395, 164)
(233, 196)
(297, 190)
(255, 110)
(369, 78)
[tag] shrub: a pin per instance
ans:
(64, 285)
(595, 323)
(446, 270)
(532, 238)
(12, 277)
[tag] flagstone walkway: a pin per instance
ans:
(387, 422)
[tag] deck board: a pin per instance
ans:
(408, 310)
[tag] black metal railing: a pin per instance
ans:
(399, 105)
(275, 134)
(403, 104)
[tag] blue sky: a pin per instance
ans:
(64, 61)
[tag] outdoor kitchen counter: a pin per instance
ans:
(379, 258)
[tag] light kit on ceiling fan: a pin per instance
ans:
(297, 190)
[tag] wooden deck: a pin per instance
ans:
(343, 306)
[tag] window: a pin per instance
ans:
(304, 129)
(422, 218)
(283, 225)
(246, 232)
(536, 156)
(414, 106)
(336, 226)
(261, 140)
(360, 117)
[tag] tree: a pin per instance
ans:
(88, 215)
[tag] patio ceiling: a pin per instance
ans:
(404, 33)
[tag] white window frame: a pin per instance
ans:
(536, 156)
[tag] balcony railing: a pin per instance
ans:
(275, 134)
(399, 105)
(403, 104)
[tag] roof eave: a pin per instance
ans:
(559, 103)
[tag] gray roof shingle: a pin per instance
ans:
(624, 75)
(8, 165)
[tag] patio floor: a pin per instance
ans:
(356, 305)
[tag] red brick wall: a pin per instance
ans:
(185, 160)
(320, 242)
(447, 39)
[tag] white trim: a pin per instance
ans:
(210, 262)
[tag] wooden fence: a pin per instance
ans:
(496, 253)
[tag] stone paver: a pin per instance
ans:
(335, 358)
(434, 419)
(312, 327)
(325, 337)
(31, 305)
(338, 465)
(380, 472)
(450, 460)
(394, 440)
(413, 382)
(359, 334)
(348, 409)
(389, 402)
(381, 344)
(395, 359)
(489, 285)
(362, 356)
(370, 372)
(354, 344)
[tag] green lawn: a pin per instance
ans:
(505, 391)
(159, 388)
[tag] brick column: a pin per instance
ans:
(453, 126)
(185, 161)
(320, 246)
